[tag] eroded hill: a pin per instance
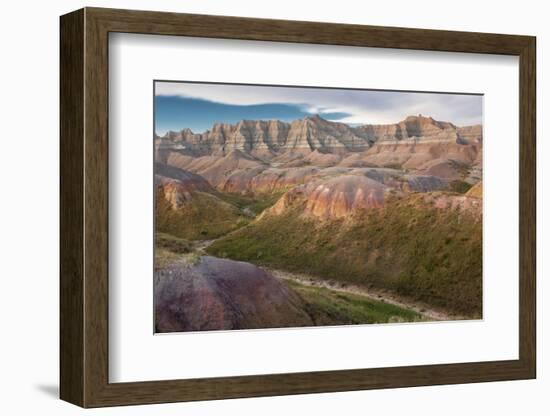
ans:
(396, 207)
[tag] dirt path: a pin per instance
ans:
(427, 312)
(201, 245)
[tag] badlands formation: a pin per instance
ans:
(339, 168)
(393, 207)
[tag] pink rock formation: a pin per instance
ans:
(334, 198)
(265, 156)
(178, 185)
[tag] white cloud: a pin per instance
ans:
(364, 106)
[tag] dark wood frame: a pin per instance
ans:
(84, 207)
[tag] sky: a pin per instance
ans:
(198, 106)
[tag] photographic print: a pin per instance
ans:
(287, 206)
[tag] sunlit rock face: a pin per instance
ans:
(476, 191)
(334, 198)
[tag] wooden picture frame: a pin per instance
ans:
(84, 207)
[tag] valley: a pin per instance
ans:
(267, 224)
(212, 293)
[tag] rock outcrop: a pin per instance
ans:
(219, 294)
(271, 138)
(424, 144)
(419, 154)
(410, 128)
(177, 186)
(334, 198)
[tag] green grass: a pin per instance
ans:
(173, 244)
(255, 203)
(410, 247)
(330, 307)
(203, 218)
(210, 215)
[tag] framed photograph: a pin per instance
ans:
(256, 207)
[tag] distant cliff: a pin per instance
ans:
(273, 137)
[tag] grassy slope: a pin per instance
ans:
(204, 217)
(415, 249)
(169, 248)
(173, 244)
(476, 191)
(324, 306)
(210, 215)
(329, 307)
(256, 204)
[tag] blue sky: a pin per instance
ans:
(198, 106)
